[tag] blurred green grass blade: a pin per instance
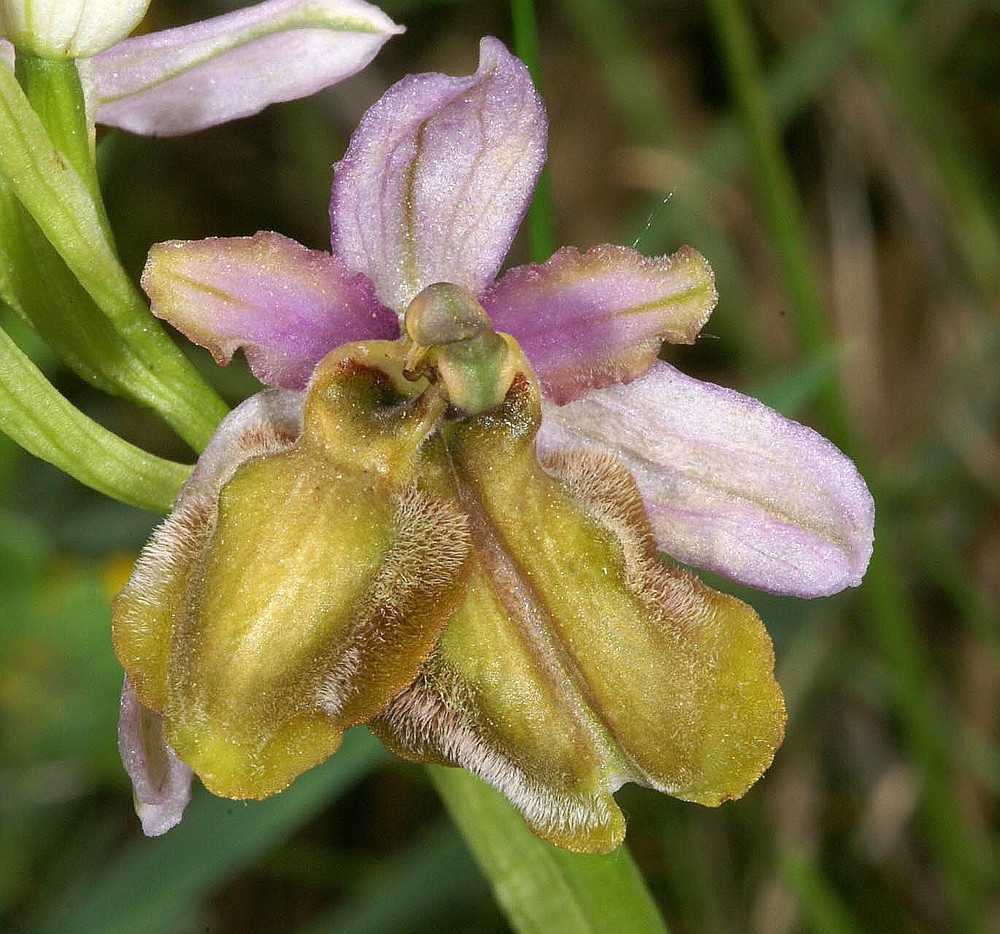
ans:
(792, 392)
(434, 881)
(804, 69)
(780, 207)
(798, 76)
(42, 421)
(154, 879)
(539, 222)
(627, 68)
(681, 214)
(696, 888)
(965, 860)
(543, 889)
(892, 614)
(822, 909)
(969, 200)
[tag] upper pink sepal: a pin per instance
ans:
(729, 484)
(161, 783)
(586, 320)
(437, 177)
(185, 79)
(285, 305)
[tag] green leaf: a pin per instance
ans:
(542, 888)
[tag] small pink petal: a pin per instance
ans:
(729, 484)
(586, 320)
(437, 177)
(285, 305)
(160, 781)
(185, 79)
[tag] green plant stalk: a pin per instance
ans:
(44, 423)
(541, 888)
(52, 86)
(540, 222)
(890, 613)
(48, 187)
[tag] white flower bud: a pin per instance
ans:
(69, 28)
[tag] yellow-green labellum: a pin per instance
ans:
(577, 661)
(296, 592)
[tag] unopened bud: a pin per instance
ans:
(69, 28)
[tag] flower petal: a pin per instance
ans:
(285, 305)
(231, 66)
(577, 661)
(729, 484)
(437, 177)
(586, 320)
(161, 783)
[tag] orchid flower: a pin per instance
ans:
(451, 531)
(185, 79)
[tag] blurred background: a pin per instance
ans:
(858, 264)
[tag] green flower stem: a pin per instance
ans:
(540, 222)
(46, 184)
(542, 888)
(891, 613)
(44, 423)
(53, 88)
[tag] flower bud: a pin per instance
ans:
(69, 28)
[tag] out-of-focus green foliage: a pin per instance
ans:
(880, 811)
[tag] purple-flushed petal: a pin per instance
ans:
(6, 54)
(185, 79)
(161, 783)
(729, 484)
(586, 320)
(287, 306)
(437, 177)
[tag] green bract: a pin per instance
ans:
(388, 548)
